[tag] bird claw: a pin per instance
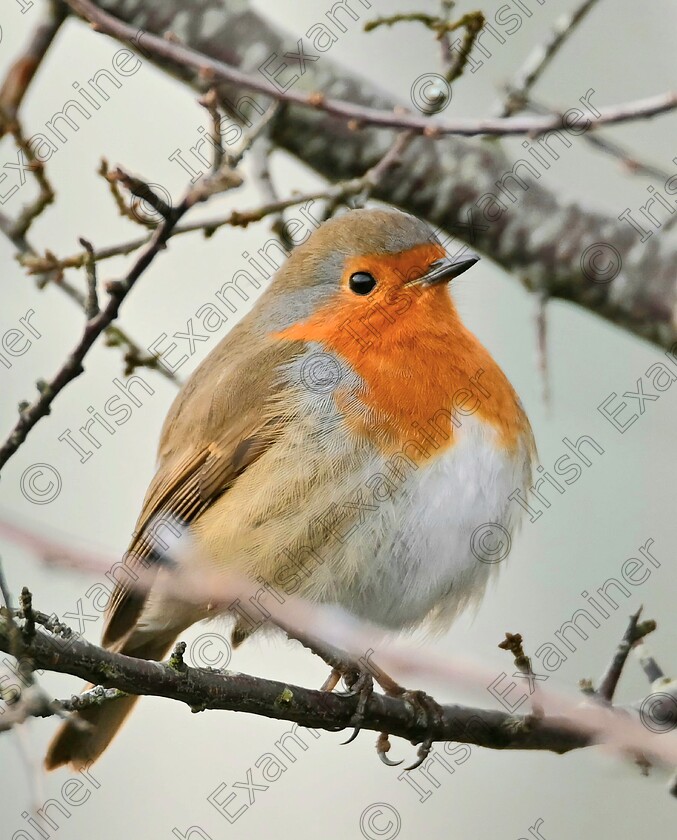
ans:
(382, 747)
(429, 708)
(356, 732)
(362, 686)
(433, 715)
(422, 753)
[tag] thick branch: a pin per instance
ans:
(203, 689)
(442, 180)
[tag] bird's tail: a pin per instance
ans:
(79, 745)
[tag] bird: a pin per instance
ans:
(345, 442)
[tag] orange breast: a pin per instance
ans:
(424, 372)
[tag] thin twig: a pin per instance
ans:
(28, 160)
(131, 213)
(473, 24)
(72, 367)
(651, 668)
(513, 643)
(51, 273)
(628, 159)
(634, 632)
(442, 26)
(139, 189)
(92, 300)
(259, 158)
(24, 68)
(118, 291)
(235, 218)
(541, 57)
(210, 101)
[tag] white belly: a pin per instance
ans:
(418, 557)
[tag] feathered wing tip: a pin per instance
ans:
(79, 745)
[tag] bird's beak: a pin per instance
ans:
(445, 269)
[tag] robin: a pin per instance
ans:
(346, 441)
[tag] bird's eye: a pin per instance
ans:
(361, 283)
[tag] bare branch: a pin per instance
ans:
(25, 67)
(628, 159)
(31, 211)
(210, 101)
(118, 291)
(217, 70)
(92, 302)
(139, 189)
(131, 213)
(50, 272)
(472, 22)
(541, 57)
(203, 689)
(634, 632)
(446, 181)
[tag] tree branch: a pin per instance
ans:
(446, 181)
(24, 68)
(203, 689)
(201, 63)
(118, 291)
(541, 57)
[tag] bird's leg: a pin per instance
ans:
(332, 680)
(341, 664)
(427, 708)
(359, 676)
(356, 678)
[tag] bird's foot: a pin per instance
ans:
(360, 681)
(428, 711)
(383, 747)
(360, 684)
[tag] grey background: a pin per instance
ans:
(159, 772)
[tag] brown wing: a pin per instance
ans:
(217, 427)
